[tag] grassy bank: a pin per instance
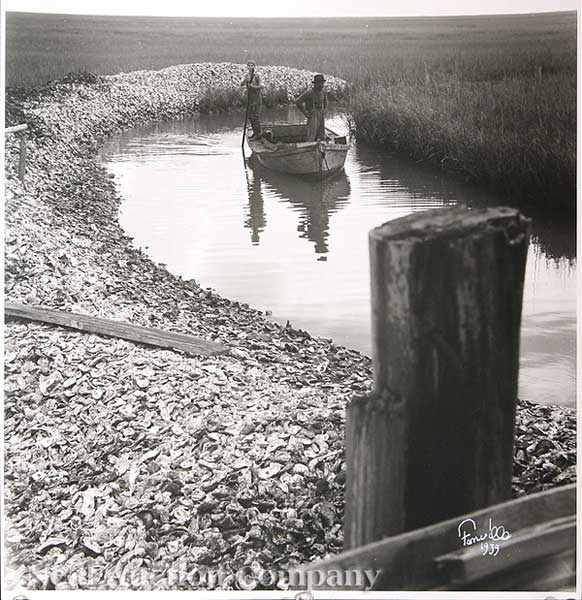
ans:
(490, 99)
(514, 135)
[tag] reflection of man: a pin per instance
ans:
(312, 104)
(254, 99)
(317, 223)
(256, 221)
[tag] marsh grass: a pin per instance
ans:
(515, 135)
(490, 99)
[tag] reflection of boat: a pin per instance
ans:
(315, 200)
(281, 149)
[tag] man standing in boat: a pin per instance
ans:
(313, 104)
(254, 99)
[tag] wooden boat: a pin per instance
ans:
(282, 148)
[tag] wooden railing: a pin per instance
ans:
(20, 130)
(539, 555)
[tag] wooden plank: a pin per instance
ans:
(436, 437)
(16, 128)
(531, 543)
(407, 560)
(134, 333)
(545, 574)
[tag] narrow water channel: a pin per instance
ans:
(299, 248)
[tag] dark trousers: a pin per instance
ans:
(255, 117)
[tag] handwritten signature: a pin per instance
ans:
(489, 538)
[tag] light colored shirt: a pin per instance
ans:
(312, 100)
(253, 84)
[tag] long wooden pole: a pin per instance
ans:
(245, 125)
(435, 438)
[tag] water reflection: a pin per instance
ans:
(553, 233)
(314, 198)
(281, 243)
(555, 237)
(256, 219)
(405, 180)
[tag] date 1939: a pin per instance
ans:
(490, 538)
(489, 549)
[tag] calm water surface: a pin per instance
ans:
(299, 248)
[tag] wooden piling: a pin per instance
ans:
(375, 442)
(435, 439)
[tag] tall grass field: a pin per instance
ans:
(491, 99)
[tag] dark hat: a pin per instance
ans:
(319, 77)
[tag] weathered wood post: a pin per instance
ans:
(20, 129)
(435, 438)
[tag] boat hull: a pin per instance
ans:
(300, 158)
(319, 158)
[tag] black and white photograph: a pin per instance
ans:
(290, 299)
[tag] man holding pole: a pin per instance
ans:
(254, 99)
